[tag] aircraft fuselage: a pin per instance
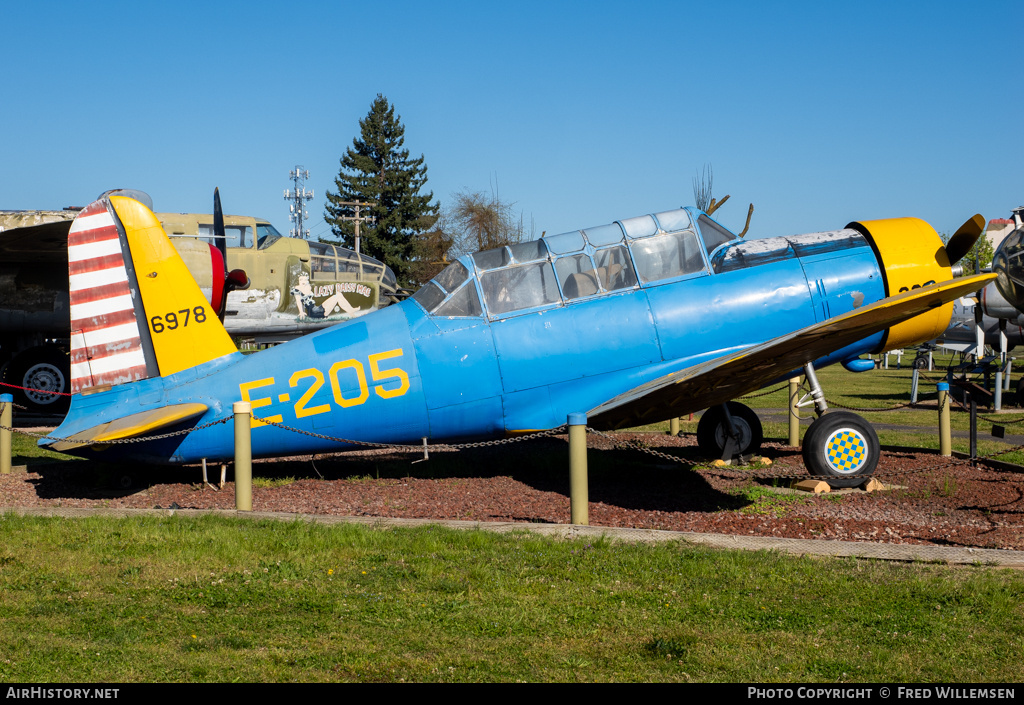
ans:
(400, 374)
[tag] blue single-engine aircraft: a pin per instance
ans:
(641, 320)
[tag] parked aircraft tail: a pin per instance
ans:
(136, 311)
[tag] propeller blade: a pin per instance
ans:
(219, 236)
(964, 238)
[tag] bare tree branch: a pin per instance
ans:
(477, 221)
(702, 188)
(703, 199)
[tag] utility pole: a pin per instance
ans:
(298, 210)
(357, 218)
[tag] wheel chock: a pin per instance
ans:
(872, 485)
(815, 486)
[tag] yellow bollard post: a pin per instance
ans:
(243, 456)
(794, 411)
(7, 421)
(579, 493)
(945, 437)
(673, 426)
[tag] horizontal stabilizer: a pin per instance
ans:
(134, 425)
(717, 381)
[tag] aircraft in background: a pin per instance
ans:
(962, 334)
(994, 315)
(633, 322)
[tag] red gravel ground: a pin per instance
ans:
(936, 501)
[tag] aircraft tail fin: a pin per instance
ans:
(136, 311)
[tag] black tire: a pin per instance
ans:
(712, 430)
(40, 370)
(1020, 392)
(842, 449)
(921, 363)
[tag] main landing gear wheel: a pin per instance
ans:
(841, 448)
(713, 430)
(41, 371)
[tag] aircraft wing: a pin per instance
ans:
(730, 376)
(35, 236)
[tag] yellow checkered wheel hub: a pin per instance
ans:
(846, 451)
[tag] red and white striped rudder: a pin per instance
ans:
(106, 343)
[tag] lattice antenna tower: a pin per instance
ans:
(300, 196)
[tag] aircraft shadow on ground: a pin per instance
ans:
(84, 479)
(624, 478)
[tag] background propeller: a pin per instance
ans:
(236, 278)
(220, 238)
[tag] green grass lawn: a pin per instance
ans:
(212, 599)
(25, 451)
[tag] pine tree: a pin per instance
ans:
(376, 169)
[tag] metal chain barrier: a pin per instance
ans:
(764, 394)
(964, 407)
(762, 471)
(1001, 421)
(803, 389)
(617, 443)
(634, 445)
(993, 419)
(417, 448)
(119, 441)
(927, 378)
(394, 446)
(832, 402)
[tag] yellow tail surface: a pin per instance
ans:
(183, 327)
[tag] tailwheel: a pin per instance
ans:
(841, 448)
(713, 430)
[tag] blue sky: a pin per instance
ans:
(581, 113)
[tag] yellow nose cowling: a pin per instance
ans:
(911, 255)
